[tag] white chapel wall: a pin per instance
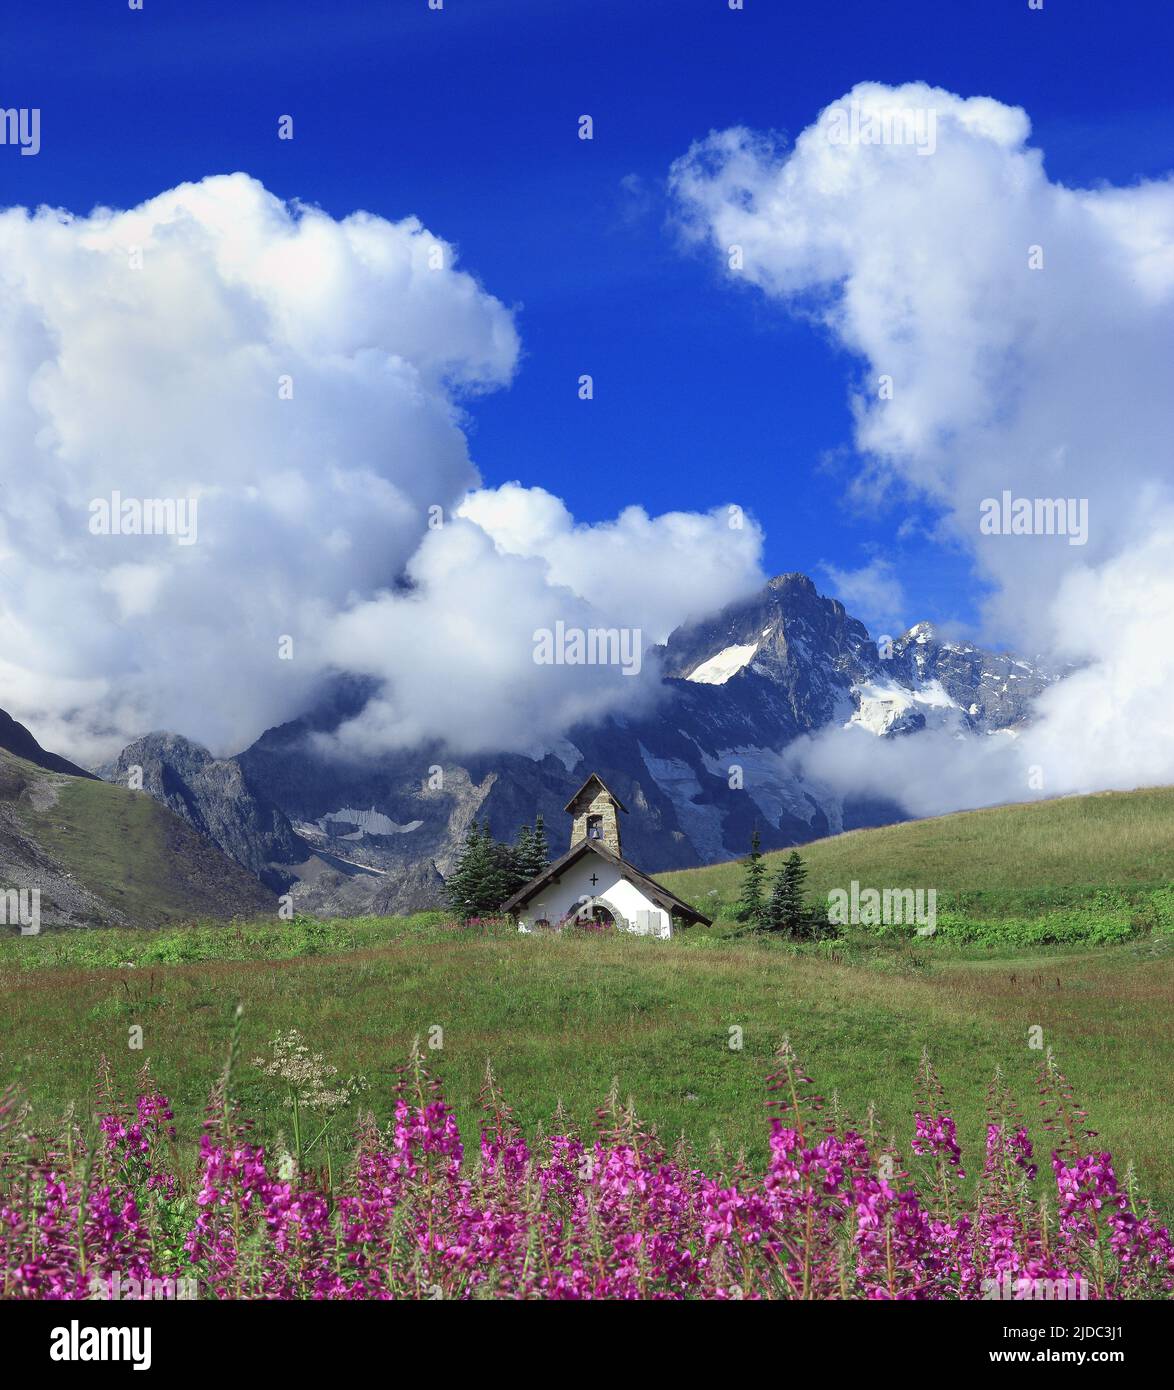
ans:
(639, 913)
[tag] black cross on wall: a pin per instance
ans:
(594, 880)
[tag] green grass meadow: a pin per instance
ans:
(560, 1017)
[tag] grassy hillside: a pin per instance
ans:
(1115, 849)
(560, 1018)
(100, 853)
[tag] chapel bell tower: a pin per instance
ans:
(594, 810)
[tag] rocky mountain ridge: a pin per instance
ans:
(699, 774)
(76, 851)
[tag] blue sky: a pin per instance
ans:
(467, 118)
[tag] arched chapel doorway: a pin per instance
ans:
(595, 915)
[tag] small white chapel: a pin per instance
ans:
(593, 884)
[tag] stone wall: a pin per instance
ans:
(603, 806)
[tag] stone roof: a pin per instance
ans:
(595, 777)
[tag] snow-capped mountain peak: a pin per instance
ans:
(703, 769)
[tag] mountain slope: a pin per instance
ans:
(1002, 859)
(213, 796)
(16, 739)
(100, 855)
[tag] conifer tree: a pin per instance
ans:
(786, 911)
(524, 852)
(500, 875)
(751, 908)
(487, 872)
(465, 884)
(775, 916)
(502, 880)
(541, 847)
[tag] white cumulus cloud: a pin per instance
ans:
(1008, 334)
(873, 593)
(304, 380)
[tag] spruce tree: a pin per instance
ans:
(462, 886)
(541, 856)
(751, 908)
(487, 873)
(524, 852)
(795, 877)
(785, 911)
(496, 880)
(775, 916)
(502, 880)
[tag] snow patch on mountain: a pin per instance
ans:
(884, 707)
(768, 778)
(370, 822)
(726, 663)
(563, 749)
(677, 780)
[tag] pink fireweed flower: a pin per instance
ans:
(412, 1217)
(935, 1135)
(1013, 1145)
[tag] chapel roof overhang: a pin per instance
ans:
(657, 892)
